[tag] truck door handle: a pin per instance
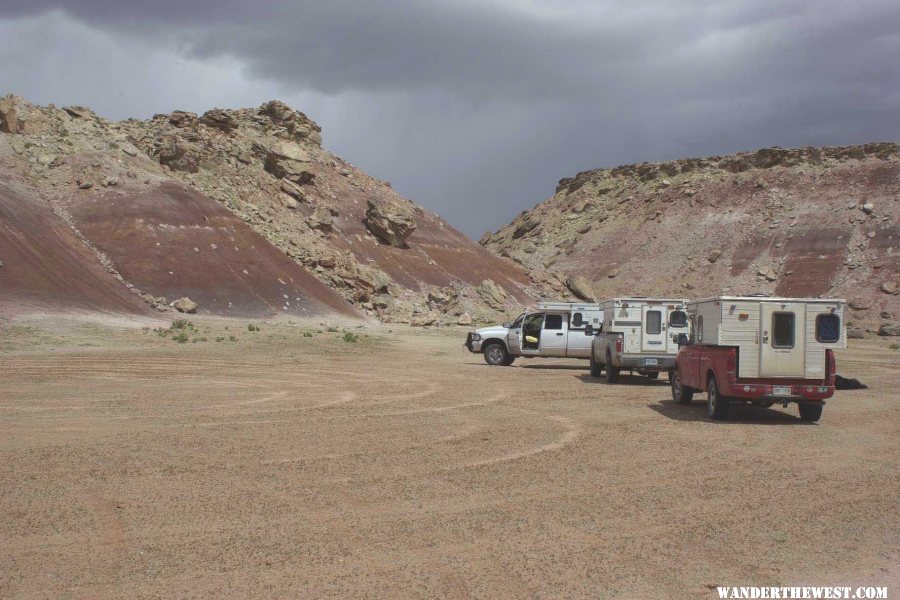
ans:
(560, 334)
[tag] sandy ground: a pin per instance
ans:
(399, 465)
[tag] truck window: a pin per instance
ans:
(783, 330)
(828, 328)
(553, 322)
(654, 321)
(518, 322)
(677, 318)
(577, 319)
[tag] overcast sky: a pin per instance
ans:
(475, 108)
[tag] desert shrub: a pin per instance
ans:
(349, 337)
(181, 337)
(232, 338)
(307, 334)
(332, 330)
(894, 346)
(252, 327)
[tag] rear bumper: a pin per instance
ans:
(645, 362)
(778, 392)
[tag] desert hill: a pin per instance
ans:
(244, 212)
(794, 222)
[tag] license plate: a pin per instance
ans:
(781, 390)
(651, 362)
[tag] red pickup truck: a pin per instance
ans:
(763, 351)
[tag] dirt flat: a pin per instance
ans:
(399, 465)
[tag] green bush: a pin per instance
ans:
(307, 334)
(232, 338)
(252, 327)
(894, 346)
(349, 337)
(181, 337)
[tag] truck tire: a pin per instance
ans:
(717, 405)
(510, 359)
(495, 354)
(612, 373)
(681, 394)
(810, 412)
(596, 368)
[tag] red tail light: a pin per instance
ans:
(830, 367)
(731, 365)
(618, 344)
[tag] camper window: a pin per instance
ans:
(677, 318)
(828, 328)
(553, 322)
(654, 321)
(577, 320)
(783, 330)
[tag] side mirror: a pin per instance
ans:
(682, 339)
(588, 330)
(506, 324)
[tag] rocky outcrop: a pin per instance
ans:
(266, 169)
(391, 221)
(889, 329)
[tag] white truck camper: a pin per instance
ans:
(639, 335)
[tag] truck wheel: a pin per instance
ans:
(510, 359)
(717, 405)
(612, 373)
(596, 368)
(681, 394)
(810, 412)
(495, 354)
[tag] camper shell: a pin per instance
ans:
(553, 329)
(637, 334)
(761, 349)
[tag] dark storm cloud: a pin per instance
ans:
(475, 108)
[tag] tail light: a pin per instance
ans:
(830, 367)
(618, 344)
(731, 365)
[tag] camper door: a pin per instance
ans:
(782, 340)
(653, 329)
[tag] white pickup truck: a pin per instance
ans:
(555, 329)
(638, 335)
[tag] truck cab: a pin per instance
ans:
(553, 330)
(762, 351)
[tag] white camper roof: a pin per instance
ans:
(644, 300)
(567, 306)
(776, 299)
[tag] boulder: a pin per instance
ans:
(464, 319)
(423, 320)
(288, 201)
(526, 225)
(321, 220)
(19, 117)
(889, 329)
(185, 305)
(581, 287)
(492, 294)
(859, 304)
(80, 112)
(220, 119)
(181, 119)
(714, 256)
(289, 161)
(868, 208)
(177, 155)
(292, 189)
(294, 123)
(856, 333)
(391, 221)
(889, 287)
